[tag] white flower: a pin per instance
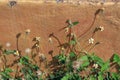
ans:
(101, 28)
(39, 72)
(91, 41)
(66, 30)
(62, 48)
(103, 9)
(72, 34)
(37, 45)
(16, 53)
(42, 56)
(50, 40)
(27, 50)
(95, 66)
(8, 44)
(37, 38)
(27, 31)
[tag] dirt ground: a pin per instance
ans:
(43, 19)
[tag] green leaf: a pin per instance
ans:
(84, 58)
(75, 23)
(8, 70)
(72, 55)
(52, 76)
(85, 61)
(24, 60)
(116, 58)
(105, 66)
(96, 59)
(66, 77)
(6, 73)
(92, 78)
(72, 42)
(9, 52)
(115, 76)
(85, 64)
(35, 67)
(61, 58)
(100, 77)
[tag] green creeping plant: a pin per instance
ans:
(61, 58)
(6, 73)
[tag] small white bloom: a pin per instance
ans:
(72, 34)
(66, 30)
(27, 50)
(95, 66)
(37, 38)
(50, 40)
(39, 72)
(103, 9)
(8, 44)
(27, 31)
(16, 53)
(91, 41)
(37, 45)
(42, 56)
(101, 28)
(62, 48)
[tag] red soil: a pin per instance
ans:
(43, 19)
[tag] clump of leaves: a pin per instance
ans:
(5, 74)
(29, 69)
